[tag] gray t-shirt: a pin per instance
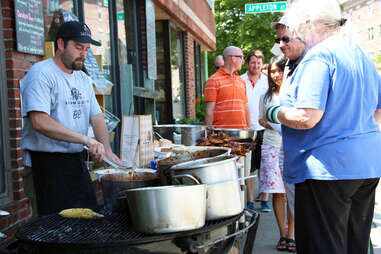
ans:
(67, 98)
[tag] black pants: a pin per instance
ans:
(257, 153)
(334, 217)
(61, 181)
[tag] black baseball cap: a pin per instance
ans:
(76, 31)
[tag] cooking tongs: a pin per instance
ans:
(108, 161)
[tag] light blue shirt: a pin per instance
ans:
(67, 98)
(338, 78)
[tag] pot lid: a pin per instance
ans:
(200, 163)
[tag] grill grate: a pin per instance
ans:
(112, 230)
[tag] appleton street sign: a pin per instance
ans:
(265, 7)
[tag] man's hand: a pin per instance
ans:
(96, 149)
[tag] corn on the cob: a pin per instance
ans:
(83, 213)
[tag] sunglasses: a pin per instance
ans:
(240, 56)
(285, 39)
(217, 67)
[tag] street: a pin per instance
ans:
(268, 233)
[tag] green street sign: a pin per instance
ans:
(120, 15)
(265, 7)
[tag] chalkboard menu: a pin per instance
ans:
(29, 26)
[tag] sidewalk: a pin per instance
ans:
(268, 233)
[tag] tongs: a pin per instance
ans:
(108, 161)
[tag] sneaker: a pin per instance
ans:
(265, 207)
(250, 205)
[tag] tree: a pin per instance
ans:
(247, 31)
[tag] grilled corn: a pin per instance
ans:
(82, 213)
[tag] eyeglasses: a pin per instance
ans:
(286, 39)
(240, 56)
(217, 67)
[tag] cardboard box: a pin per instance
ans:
(136, 144)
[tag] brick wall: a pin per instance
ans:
(16, 65)
(176, 13)
(189, 75)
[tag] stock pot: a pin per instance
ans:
(166, 209)
(224, 199)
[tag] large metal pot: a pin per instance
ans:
(185, 134)
(166, 209)
(114, 184)
(223, 199)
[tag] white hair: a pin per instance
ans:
(323, 12)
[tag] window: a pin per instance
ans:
(350, 14)
(177, 72)
(370, 33)
(370, 8)
(358, 11)
(5, 184)
(197, 70)
(100, 38)
(100, 6)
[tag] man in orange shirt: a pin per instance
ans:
(225, 94)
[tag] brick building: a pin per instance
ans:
(365, 16)
(151, 51)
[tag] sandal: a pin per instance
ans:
(291, 245)
(282, 244)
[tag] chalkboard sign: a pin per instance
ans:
(29, 26)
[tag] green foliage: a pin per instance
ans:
(200, 113)
(247, 31)
(200, 109)
(186, 121)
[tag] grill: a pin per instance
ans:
(113, 234)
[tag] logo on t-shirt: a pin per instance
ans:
(75, 94)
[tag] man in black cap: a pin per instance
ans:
(58, 106)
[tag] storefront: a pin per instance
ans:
(151, 52)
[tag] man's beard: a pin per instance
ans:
(72, 65)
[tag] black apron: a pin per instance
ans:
(61, 181)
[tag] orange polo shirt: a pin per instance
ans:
(229, 94)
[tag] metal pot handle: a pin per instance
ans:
(186, 176)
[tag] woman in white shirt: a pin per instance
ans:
(270, 172)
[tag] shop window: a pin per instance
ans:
(5, 184)
(53, 18)
(197, 70)
(177, 73)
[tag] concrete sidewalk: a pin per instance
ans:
(268, 233)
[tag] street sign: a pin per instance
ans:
(120, 15)
(265, 7)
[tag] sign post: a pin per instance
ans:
(265, 7)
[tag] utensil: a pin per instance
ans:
(4, 213)
(238, 134)
(115, 185)
(224, 198)
(166, 209)
(187, 133)
(108, 161)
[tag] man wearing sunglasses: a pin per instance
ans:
(225, 94)
(292, 48)
(218, 62)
